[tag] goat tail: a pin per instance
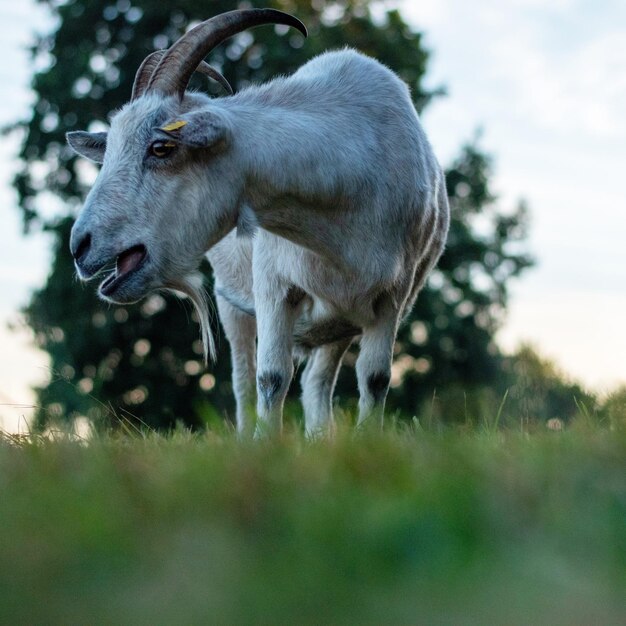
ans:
(192, 287)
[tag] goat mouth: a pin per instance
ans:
(127, 263)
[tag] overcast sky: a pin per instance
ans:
(546, 81)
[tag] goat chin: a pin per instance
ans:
(192, 286)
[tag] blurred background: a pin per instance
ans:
(524, 104)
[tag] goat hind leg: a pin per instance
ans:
(318, 383)
(373, 369)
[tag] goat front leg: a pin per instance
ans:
(240, 330)
(318, 383)
(277, 306)
(373, 369)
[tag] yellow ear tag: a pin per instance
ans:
(174, 126)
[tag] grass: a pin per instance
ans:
(487, 526)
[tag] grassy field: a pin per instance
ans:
(412, 527)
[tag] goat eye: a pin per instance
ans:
(161, 149)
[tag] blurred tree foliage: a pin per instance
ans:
(143, 363)
(540, 391)
(613, 408)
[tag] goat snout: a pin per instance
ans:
(79, 246)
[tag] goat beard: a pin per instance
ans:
(192, 287)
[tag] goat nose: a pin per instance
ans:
(80, 250)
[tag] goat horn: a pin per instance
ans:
(142, 77)
(144, 73)
(211, 72)
(175, 68)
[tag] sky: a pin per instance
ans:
(545, 83)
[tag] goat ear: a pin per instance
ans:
(199, 129)
(89, 145)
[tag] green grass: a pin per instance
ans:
(412, 527)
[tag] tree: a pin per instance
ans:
(143, 362)
(539, 391)
(613, 409)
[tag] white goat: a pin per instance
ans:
(317, 197)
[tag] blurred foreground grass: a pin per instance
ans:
(411, 527)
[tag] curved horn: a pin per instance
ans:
(144, 73)
(211, 72)
(146, 69)
(172, 74)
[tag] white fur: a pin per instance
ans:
(321, 206)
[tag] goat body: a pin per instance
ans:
(352, 213)
(321, 206)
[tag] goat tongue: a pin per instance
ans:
(129, 260)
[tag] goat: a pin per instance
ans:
(316, 197)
